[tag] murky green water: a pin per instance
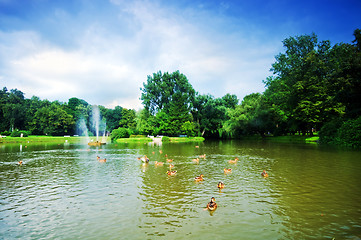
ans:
(63, 192)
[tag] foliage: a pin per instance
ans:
(128, 119)
(120, 133)
(252, 116)
(338, 132)
(209, 113)
(165, 139)
(162, 89)
(17, 133)
(52, 120)
(5, 133)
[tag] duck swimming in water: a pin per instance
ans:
(196, 160)
(144, 159)
(20, 163)
(102, 160)
(158, 163)
(227, 170)
(220, 185)
(199, 178)
(233, 161)
(264, 173)
(212, 205)
(171, 173)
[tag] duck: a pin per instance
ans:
(196, 146)
(171, 173)
(196, 160)
(227, 170)
(20, 163)
(158, 163)
(233, 161)
(212, 205)
(202, 156)
(264, 173)
(145, 159)
(102, 160)
(199, 178)
(220, 185)
(169, 160)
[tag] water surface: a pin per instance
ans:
(63, 192)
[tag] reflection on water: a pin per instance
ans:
(63, 192)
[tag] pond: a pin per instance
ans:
(61, 191)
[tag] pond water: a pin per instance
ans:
(63, 192)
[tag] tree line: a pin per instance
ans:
(314, 86)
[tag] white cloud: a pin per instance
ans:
(106, 65)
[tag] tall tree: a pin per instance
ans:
(160, 89)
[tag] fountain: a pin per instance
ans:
(95, 124)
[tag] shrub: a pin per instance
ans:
(349, 133)
(329, 131)
(18, 133)
(346, 133)
(165, 139)
(119, 133)
(5, 133)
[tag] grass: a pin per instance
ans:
(171, 139)
(186, 139)
(47, 139)
(289, 138)
(134, 140)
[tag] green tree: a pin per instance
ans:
(128, 119)
(252, 116)
(113, 117)
(160, 89)
(209, 115)
(300, 87)
(13, 110)
(52, 120)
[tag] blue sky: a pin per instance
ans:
(102, 50)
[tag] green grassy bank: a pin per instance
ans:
(288, 138)
(45, 139)
(171, 140)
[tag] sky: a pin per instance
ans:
(102, 51)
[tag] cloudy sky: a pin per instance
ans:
(103, 50)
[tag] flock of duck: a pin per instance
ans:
(212, 205)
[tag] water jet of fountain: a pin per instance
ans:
(82, 129)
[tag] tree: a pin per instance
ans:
(113, 117)
(128, 119)
(300, 87)
(160, 89)
(168, 97)
(252, 116)
(52, 120)
(209, 114)
(13, 109)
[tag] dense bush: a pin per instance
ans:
(120, 133)
(165, 139)
(5, 133)
(346, 133)
(329, 132)
(350, 133)
(18, 133)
